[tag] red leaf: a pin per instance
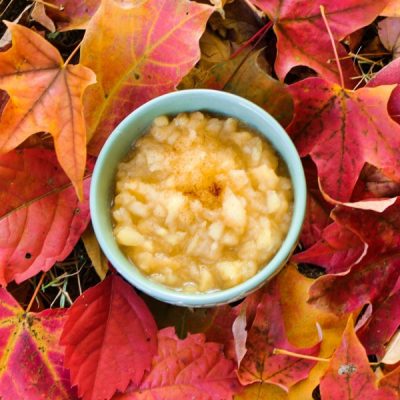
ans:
(317, 211)
(337, 250)
(382, 325)
(341, 130)
(349, 376)
(31, 363)
(41, 218)
(392, 381)
(110, 339)
(186, 369)
(389, 76)
(266, 333)
(303, 38)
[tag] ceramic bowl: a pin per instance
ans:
(120, 142)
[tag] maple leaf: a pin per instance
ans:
(45, 95)
(110, 339)
(391, 381)
(189, 368)
(349, 376)
(302, 34)
(381, 326)
(31, 361)
(71, 14)
(342, 130)
(41, 218)
(317, 209)
(389, 75)
(138, 51)
(245, 76)
(337, 250)
(266, 333)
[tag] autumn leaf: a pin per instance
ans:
(262, 391)
(45, 95)
(110, 339)
(138, 50)
(337, 250)
(392, 9)
(302, 35)
(67, 14)
(190, 368)
(391, 381)
(381, 326)
(342, 130)
(389, 75)
(41, 218)
(267, 332)
(317, 209)
(31, 361)
(349, 376)
(389, 31)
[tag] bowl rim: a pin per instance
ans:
(131, 272)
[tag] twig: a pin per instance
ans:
(72, 54)
(35, 292)
(322, 8)
(292, 354)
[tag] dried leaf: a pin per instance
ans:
(389, 35)
(39, 15)
(392, 355)
(392, 9)
(341, 130)
(349, 376)
(41, 218)
(266, 333)
(153, 44)
(302, 35)
(45, 95)
(190, 368)
(98, 259)
(240, 335)
(31, 363)
(110, 339)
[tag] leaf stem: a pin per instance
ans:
(292, 354)
(45, 3)
(260, 32)
(35, 292)
(322, 8)
(67, 61)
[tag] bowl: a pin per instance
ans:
(120, 142)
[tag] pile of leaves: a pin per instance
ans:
(327, 326)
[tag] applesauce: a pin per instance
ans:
(201, 203)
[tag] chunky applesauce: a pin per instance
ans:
(201, 203)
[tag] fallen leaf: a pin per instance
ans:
(337, 250)
(380, 327)
(138, 52)
(389, 75)
(389, 35)
(342, 130)
(45, 95)
(92, 247)
(109, 338)
(31, 362)
(190, 368)
(349, 376)
(240, 335)
(302, 35)
(392, 9)
(301, 319)
(38, 14)
(71, 14)
(392, 355)
(262, 391)
(391, 381)
(41, 218)
(267, 332)
(5, 40)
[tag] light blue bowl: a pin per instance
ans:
(119, 144)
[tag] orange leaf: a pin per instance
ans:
(45, 95)
(139, 50)
(31, 360)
